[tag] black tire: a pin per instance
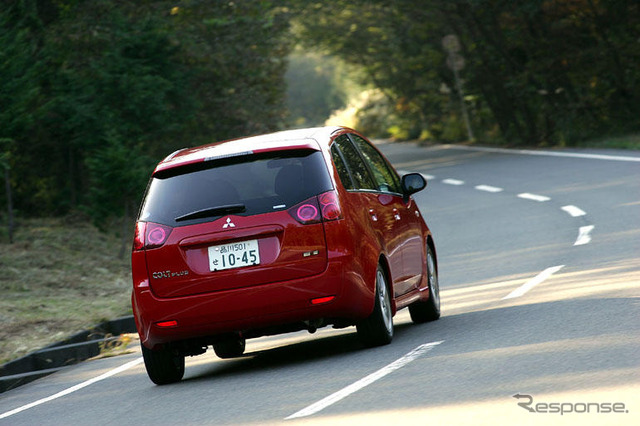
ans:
(230, 348)
(377, 329)
(163, 366)
(421, 311)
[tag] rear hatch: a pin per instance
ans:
(235, 222)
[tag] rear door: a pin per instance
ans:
(376, 207)
(404, 233)
(229, 224)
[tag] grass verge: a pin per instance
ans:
(59, 277)
(631, 141)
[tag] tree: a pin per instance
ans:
(317, 85)
(19, 93)
(84, 83)
(236, 53)
(542, 72)
(6, 146)
(118, 171)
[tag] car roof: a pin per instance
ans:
(314, 138)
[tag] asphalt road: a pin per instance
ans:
(539, 260)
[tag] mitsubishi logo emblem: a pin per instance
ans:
(229, 224)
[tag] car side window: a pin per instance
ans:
(341, 167)
(387, 179)
(355, 164)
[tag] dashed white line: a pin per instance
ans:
(584, 235)
(74, 388)
(453, 182)
(343, 393)
(488, 188)
(533, 197)
(542, 276)
(574, 211)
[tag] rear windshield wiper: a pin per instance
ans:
(212, 211)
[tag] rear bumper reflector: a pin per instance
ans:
(321, 300)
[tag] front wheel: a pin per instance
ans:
(430, 310)
(377, 329)
(163, 366)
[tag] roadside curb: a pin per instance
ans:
(52, 358)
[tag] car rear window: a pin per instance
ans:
(260, 183)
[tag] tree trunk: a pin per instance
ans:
(125, 230)
(9, 204)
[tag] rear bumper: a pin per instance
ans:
(241, 310)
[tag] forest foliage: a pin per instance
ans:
(94, 92)
(534, 72)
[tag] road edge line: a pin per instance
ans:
(72, 389)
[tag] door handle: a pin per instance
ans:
(396, 214)
(374, 217)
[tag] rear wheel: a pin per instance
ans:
(430, 310)
(377, 329)
(230, 348)
(163, 366)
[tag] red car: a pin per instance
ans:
(283, 232)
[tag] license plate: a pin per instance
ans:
(234, 255)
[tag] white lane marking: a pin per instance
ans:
(343, 393)
(542, 276)
(584, 235)
(74, 388)
(548, 153)
(534, 197)
(453, 182)
(574, 211)
(488, 188)
(428, 177)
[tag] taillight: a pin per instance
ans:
(156, 235)
(307, 212)
(316, 209)
(150, 235)
(138, 238)
(330, 206)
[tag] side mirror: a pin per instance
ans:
(412, 183)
